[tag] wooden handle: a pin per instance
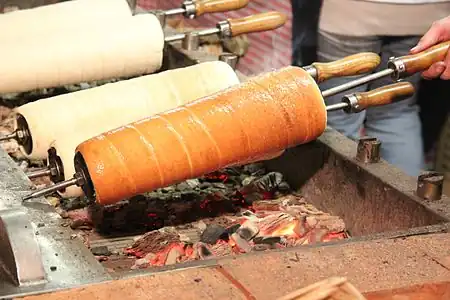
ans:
(256, 23)
(348, 66)
(385, 95)
(423, 60)
(214, 6)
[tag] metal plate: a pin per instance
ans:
(65, 260)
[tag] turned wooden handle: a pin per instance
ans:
(385, 95)
(423, 60)
(256, 23)
(214, 6)
(348, 66)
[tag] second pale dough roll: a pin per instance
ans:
(85, 114)
(129, 47)
(266, 114)
(56, 19)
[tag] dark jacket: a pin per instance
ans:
(305, 21)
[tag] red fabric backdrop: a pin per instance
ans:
(268, 50)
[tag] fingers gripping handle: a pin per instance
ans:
(256, 23)
(407, 65)
(381, 96)
(348, 66)
(214, 6)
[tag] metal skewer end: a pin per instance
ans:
(8, 137)
(39, 173)
(75, 180)
(337, 106)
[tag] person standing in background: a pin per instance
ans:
(390, 28)
(305, 21)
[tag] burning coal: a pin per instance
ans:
(268, 216)
(229, 212)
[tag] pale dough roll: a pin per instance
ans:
(55, 19)
(67, 120)
(131, 46)
(266, 114)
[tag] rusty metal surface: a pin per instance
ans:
(370, 266)
(371, 198)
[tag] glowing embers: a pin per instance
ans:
(269, 224)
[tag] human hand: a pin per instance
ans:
(438, 33)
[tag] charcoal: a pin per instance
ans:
(219, 185)
(255, 169)
(212, 234)
(205, 185)
(183, 186)
(271, 205)
(269, 240)
(262, 247)
(248, 230)
(242, 244)
(100, 251)
(173, 256)
(232, 229)
(247, 180)
(154, 241)
(203, 251)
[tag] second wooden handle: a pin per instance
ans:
(385, 95)
(348, 66)
(421, 61)
(214, 6)
(256, 23)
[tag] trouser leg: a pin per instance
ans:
(398, 125)
(332, 47)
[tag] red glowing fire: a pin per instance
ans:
(268, 223)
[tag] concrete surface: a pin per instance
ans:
(412, 268)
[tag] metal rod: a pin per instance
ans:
(8, 137)
(337, 106)
(51, 189)
(181, 36)
(174, 11)
(39, 173)
(357, 82)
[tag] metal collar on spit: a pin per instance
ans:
(21, 135)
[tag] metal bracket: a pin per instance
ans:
(230, 58)
(430, 185)
(368, 150)
(19, 250)
(191, 41)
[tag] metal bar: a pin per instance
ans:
(174, 11)
(181, 36)
(55, 187)
(357, 82)
(337, 106)
(8, 136)
(39, 173)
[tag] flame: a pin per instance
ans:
(286, 229)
